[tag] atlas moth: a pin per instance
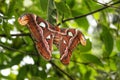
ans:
(45, 35)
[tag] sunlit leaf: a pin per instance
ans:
(82, 22)
(3, 8)
(107, 40)
(11, 8)
(51, 12)
(118, 64)
(43, 4)
(18, 44)
(89, 58)
(6, 29)
(22, 73)
(71, 3)
(87, 75)
(118, 43)
(63, 8)
(16, 60)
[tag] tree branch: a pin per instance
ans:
(61, 70)
(21, 34)
(13, 49)
(80, 16)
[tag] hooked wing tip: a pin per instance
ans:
(23, 19)
(83, 41)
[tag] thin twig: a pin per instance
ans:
(13, 49)
(21, 34)
(61, 70)
(80, 16)
(9, 48)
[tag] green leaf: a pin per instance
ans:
(18, 44)
(34, 71)
(118, 63)
(1, 21)
(28, 40)
(1, 29)
(6, 29)
(87, 75)
(71, 3)
(3, 7)
(43, 74)
(44, 4)
(3, 58)
(118, 43)
(107, 40)
(82, 22)
(92, 5)
(11, 8)
(22, 73)
(16, 60)
(89, 58)
(52, 13)
(63, 8)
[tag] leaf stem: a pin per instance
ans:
(61, 70)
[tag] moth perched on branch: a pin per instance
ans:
(45, 34)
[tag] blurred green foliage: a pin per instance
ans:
(98, 60)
